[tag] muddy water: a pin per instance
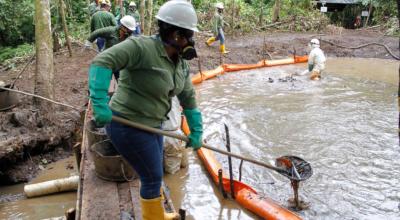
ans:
(344, 125)
(14, 205)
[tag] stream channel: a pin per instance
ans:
(345, 125)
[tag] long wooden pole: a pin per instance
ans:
(186, 139)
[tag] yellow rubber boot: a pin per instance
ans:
(222, 49)
(315, 75)
(152, 210)
(210, 41)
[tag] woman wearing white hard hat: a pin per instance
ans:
(153, 70)
(113, 35)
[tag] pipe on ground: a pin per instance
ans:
(52, 186)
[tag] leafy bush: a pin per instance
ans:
(16, 22)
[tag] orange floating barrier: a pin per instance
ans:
(204, 75)
(244, 194)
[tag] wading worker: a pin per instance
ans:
(113, 35)
(101, 19)
(153, 70)
(316, 60)
(218, 25)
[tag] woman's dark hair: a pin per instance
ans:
(165, 29)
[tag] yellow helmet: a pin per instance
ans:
(105, 2)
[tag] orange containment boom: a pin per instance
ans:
(244, 194)
(204, 75)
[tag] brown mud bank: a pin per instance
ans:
(29, 140)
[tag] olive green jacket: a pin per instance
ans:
(148, 80)
(102, 19)
(218, 22)
(136, 15)
(110, 34)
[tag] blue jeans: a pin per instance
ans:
(100, 43)
(143, 151)
(220, 36)
(137, 31)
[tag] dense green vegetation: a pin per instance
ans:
(17, 18)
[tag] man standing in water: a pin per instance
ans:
(316, 60)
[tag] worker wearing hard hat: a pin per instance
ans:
(316, 60)
(113, 35)
(101, 19)
(153, 70)
(218, 25)
(132, 11)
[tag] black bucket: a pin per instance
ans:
(8, 99)
(109, 164)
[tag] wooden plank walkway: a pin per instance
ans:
(101, 199)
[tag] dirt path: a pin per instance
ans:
(24, 133)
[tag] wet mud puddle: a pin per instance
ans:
(14, 204)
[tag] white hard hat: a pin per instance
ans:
(314, 41)
(132, 4)
(129, 22)
(179, 13)
(219, 5)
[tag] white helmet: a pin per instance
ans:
(219, 5)
(314, 42)
(131, 4)
(129, 22)
(179, 13)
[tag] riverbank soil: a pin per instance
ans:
(28, 139)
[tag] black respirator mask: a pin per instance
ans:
(189, 52)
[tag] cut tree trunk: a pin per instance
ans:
(369, 14)
(44, 76)
(277, 7)
(142, 8)
(64, 23)
(149, 17)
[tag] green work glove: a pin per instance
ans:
(194, 120)
(99, 81)
(310, 67)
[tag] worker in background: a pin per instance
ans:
(218, 25)
(357, 22)
(316, 60)
(101, 19)
(132, 11)
(94, 7)
(153, 70)
(113, 35)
